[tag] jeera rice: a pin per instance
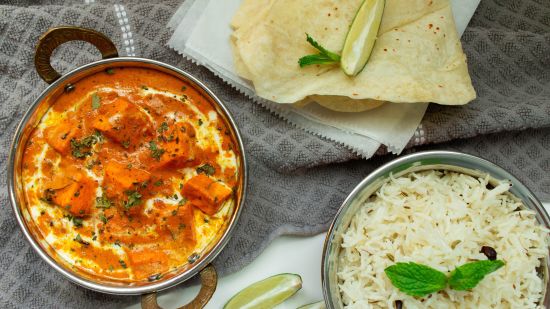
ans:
(443, 219)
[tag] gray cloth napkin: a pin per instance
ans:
(293, 189)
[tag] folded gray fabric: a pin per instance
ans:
(293, 189)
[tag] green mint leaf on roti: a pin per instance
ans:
(329, 54)
(416, 279)
(324, 57)
(314, 59)
(467, 276)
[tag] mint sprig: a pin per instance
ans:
(420, 280)
(323, 57)
(416, 279)
(467, 276)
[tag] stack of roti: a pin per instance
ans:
(417, 56)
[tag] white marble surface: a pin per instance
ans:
(287, 254)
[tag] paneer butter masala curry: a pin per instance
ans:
(130, 175)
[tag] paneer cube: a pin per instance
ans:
(57, 182)
(145, 262)
(59, 136)
(120, 177)
(123, 122)
(77, 197)
(177, 146)
(206, 193)
(178, 221)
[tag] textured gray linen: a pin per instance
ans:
(293, 189)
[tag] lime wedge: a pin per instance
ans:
(266, 293)
(317, 305)
(361, 36)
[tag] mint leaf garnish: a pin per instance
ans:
(420, 280)
(467, 276)
(416, 279)
(323, 57)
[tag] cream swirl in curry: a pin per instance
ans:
(130, 174)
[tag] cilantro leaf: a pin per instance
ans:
(122, 263)
(467, 276)
(156, 152)
(323, 57)
(206, 169)
(102, 202)
(134, 199)
(163, 127)
(416, 279)
(96, 102)
(83, 148)
(79, 239)
(103, 218)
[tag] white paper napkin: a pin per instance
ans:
(201, 33)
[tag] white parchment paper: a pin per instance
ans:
(201, 33)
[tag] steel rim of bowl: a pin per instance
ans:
(129, 290)
(472, 162)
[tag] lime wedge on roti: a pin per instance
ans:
(362, 36)
(266, 293)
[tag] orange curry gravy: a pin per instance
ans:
(130, 174)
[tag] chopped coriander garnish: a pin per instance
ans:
(48, 196)
(110, 71)
(193, 258)
(154, 277)
(103, 202)
(158, 183)
(163, 127)
(123, 264)
(103, 218)
(96, 101)
(134, 199)
(206, 169)
(83, 148)
(79, 239)
(182, 201)
(126, 144)
(183, 88)
(76, 221)
(200, 122)
(156, 152)
(144, 87)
